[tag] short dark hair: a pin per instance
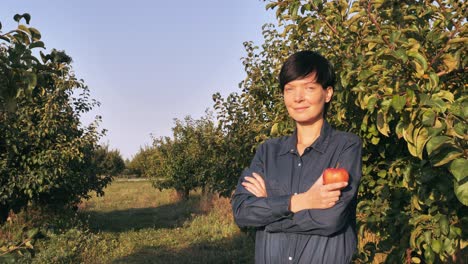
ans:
(302, 63)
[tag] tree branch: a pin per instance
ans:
(379, 29)
(452, 34)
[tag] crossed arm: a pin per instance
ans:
(319, 196)
(321, 210)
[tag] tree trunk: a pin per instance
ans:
(183, 194)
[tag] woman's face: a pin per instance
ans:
(305, 99)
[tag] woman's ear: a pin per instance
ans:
(329, 94)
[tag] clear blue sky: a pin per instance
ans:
(148, 61)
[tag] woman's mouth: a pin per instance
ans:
(300, 109)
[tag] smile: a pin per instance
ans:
(300, 109)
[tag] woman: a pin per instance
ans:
(298, 218)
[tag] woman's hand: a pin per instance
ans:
(319, 196)
(255, 184)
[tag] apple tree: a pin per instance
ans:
(402, 68)
(187, 160)
(45, 151)
(108, 162)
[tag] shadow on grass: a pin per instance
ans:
(239, 249)
(165, 216)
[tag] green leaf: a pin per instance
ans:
(458, 40)
(461, 191)
(437, 128)
(35, 34)
(33, 233)
(450, 62)
(399, 54)
(428, 236)
(371, 103)
(460, 129)
(37, 44)
(459, 168)
(27, 17)
(444, 224)
(434, 80)
(365, 74)
(24, 28)
(382, 125)
(408, 133)
(428, 118)
(438, 104)
(31, 79)
(17, 17)
(436, 142)
(429, 255)
(436, 245)
(274, 130)
(398, 102)
(382, 173)
(375, 140)
(445, 155)
(421, 140)
(415, 204)
(400, 128)
(419, 69)
(419, 58)
(447, 95)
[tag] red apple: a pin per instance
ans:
(333, 175)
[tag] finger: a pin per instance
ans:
(250, 179)
(336, 186)
(334, 194)
(332, 200)
(254, 181)
(252, 188)
(251, 191)
(260, 180)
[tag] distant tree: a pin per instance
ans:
(108, 162)
(186, 161)
(140, 163)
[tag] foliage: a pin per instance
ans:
(140, 163)
(16, 61)
(45, 152)
(401, 87)
(242, 129)
(108, 162)
(188, 160)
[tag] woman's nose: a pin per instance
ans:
(299, 95)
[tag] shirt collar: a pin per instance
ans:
(320, 145)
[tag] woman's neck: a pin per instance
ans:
(308, 133)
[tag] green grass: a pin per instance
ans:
(135, 223)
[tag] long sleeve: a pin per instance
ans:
(329, 221)
(251, 211)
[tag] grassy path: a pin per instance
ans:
(135, 223)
